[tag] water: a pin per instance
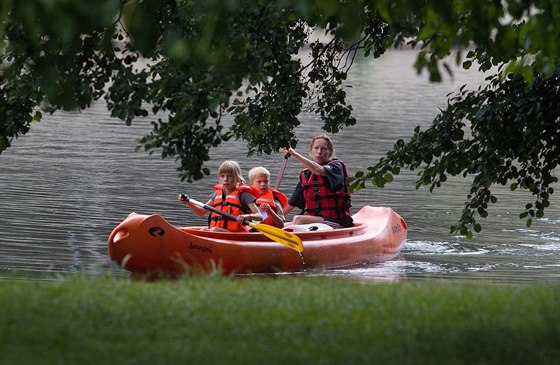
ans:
(67, 183)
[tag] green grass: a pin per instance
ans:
(212, 320)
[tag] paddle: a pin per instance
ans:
(281, 174)
(276, 234)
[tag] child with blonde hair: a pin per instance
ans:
(270, 201)
(231, 195)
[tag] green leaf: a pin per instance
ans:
(37, 117)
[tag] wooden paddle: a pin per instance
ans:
(276, 234)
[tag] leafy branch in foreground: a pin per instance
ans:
(505, 133)
(185, 64)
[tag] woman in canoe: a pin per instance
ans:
(270, 201)
(231, 196)
(321, 192)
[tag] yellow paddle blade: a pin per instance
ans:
(290, 244)
(276, 234)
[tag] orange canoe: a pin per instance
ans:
(149, 244)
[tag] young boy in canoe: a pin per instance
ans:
(231, 196)
(271, 202)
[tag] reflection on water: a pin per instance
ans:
(66, 184)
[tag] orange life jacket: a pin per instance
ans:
(231, 204)
(270, 198)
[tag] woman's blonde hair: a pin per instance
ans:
(256, 171)
(232, 168)
(326, 138)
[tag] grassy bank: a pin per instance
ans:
(213, 320)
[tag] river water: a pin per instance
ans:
(67, 183)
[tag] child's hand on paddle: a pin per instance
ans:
(241, 218)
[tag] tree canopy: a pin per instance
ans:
(187, 63)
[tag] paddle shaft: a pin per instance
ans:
(212, 209)
(281, 174)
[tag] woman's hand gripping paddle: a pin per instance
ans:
(276, 234)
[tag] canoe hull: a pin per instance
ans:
(149, 244)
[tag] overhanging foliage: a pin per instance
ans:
(207, 58)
